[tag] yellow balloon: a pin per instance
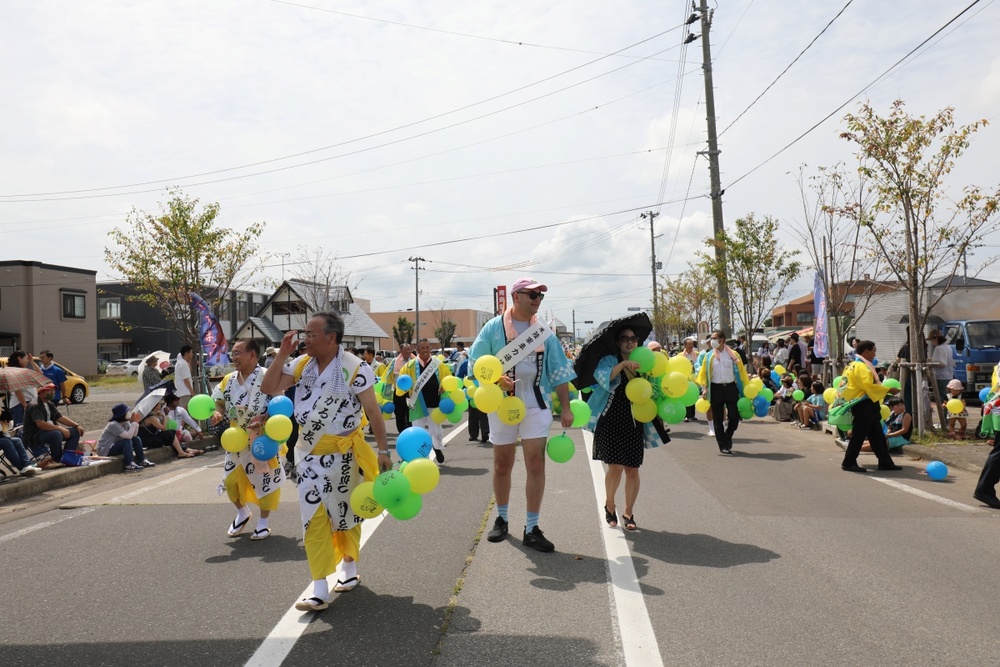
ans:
(660, 363)
(680, 364)
(437, 416)
(488, 397)
(511, 410)
(779, 369)
(278, 427)
(469, 382)
(363, 500)
(423, 475)
(638, 390)
(400, 392)
(702, 405)
(884, 411)
(457, 396)
(757, 382)
(450, 383)
(234, 439)
(644, 412)
(488, 369)
(751, 391)
(954, 406)
(675, 385)
(830, 395)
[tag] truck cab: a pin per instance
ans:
(975, 346)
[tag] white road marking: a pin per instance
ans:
(632, 622)
(954, 504)
(277, 645)
(44, 524)
(163, 482)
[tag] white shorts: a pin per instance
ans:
(436, 431)
(536, 424)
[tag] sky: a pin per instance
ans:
(494, 140)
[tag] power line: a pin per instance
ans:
(795, 60)
(51, 196)
(857, 94)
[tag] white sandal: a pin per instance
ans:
(346, 585)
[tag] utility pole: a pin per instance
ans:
(416, 271)
(725, 320)
(652, 251)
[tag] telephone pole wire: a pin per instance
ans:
(725, 319)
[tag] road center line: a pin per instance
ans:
(632, 623)
(44, 524)
(954, 504)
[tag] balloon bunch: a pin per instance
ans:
(663, 387)
(385, 404)
(277, 430)
(454, 402)
(400, 491)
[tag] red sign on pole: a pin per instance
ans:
(501, 299)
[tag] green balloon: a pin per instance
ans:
(201, 406)
(581, 412)
(672, 411)
(645, 357)
(560, 448)
(837, 380)
(392, 488)
(455, 415)
(586, 390)
(767, 394)
(743, 405)
(798, 395)
(409, 508)
(171, 424)
(892, 383)
(746, 414)
(691, 396)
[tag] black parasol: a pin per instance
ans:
(602, 342)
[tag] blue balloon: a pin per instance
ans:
(761, 410)
(984, 393)
(446, 406)
(388, 408)
(776, 377)
(937, 470)
(413, 443)
(280, 405)
(405, 382)
(264, 448)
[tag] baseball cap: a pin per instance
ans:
(47, 387)
(522, 284)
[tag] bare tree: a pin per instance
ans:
(317, 273)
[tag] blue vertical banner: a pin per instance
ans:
(213, 340)
(821, 334)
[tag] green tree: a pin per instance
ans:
(402, 331)
(183, 250)
(918, 225)
(759, 269)
(445, 332)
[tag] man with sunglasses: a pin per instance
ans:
(723, 377)
(533, 371)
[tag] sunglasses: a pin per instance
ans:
(628, 339)
(534, 295)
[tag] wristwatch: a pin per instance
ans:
(384, 451)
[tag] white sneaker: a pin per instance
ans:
(147, 464)
(711, 431)
(28, 471)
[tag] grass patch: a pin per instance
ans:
(111, 381)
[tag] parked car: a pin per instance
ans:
(130, 367)
(76, 387)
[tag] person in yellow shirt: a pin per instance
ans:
(424, 395)
(723, 377)
(986, 492)
(865, 388)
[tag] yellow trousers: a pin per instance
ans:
(325, 547)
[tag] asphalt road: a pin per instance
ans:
(771, 557)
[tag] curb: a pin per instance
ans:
(19, 488)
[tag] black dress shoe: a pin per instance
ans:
(991, 501)
(854, 468)
(891, 466)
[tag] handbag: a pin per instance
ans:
(72, 457)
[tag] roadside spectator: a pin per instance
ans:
(812, 410)
(780, 355)
(150, 376)
(46, 428)
(765, 376)
(850, 353)
(795, 354)
(121, 437)
(153, 433)
(783, 401)
(268, 358)
(959, 419)
(25, 397)
(900, 424)
(187, 428)
(369, 356)
(944, 372)
(183, 385)
(764, 350)
(15, 453)
(691, 354)
(55, 374)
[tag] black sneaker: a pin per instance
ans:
(439, 455)
(499, 531)
(536, 540)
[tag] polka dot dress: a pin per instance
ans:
(618, 436)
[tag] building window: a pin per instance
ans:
(241, 311)
(74, 305)
(109, 308)
(288, 308)
(804, 318)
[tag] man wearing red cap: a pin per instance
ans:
(534, 365)
(45, 426)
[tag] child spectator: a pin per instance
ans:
(960, 419)
(783, 402)
(765, 376)
(900, 423)
(812, 410)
